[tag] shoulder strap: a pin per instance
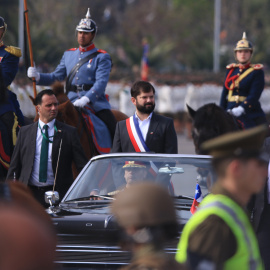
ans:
(14, 51)
(76, 67)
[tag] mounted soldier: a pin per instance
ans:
(243, 87)
(11, 117)
(87, 70)
(9, 56)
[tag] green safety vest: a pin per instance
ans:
(247, 255)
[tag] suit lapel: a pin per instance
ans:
(32, 141)
(151, 131)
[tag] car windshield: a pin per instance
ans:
(106, 176)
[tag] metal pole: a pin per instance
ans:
(20, 28)
(29, 44)
(217, 35)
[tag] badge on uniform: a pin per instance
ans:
(89, 64)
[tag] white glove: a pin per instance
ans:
(81, 102)
(238, 111)
(32, 73)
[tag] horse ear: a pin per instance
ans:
(191, 112)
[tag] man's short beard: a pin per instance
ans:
(144, 109)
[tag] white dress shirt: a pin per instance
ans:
(34, 179)
(144, 124)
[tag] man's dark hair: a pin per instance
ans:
(39, 96)
(141, 86)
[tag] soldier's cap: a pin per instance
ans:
(134, 164)
(238, 144)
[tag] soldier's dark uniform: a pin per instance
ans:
(11, 116)
(243, 87)
(9, 58)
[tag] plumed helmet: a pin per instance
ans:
(243, 44)
(87, 24)
(144, 204)
(3, 25)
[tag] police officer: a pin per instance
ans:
(87, 70)
(145, 213)
(243, 87)
(219, 235)
(9, 56)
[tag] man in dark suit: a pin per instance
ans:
(260, 209)
(145, 131)
(63, 148)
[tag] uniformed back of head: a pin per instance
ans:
(238, 144)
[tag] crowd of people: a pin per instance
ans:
(39, 157)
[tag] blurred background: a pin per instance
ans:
(190, 43)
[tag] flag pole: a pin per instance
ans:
(30, 45)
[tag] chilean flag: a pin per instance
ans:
(197, 199)
(145, 62)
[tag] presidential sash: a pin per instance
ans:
(135, 135)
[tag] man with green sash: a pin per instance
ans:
(219, 235)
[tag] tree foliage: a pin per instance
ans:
(180, 32)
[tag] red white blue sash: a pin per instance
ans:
(135, 135)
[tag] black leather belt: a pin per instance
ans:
(78, 88)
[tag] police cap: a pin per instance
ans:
(238, 144)
(144, 204)
(134, 164)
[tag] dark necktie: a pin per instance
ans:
(44, 155)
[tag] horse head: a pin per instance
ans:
(67, 113)
(210, 121)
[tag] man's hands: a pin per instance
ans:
(81, 102)
(32, 73)
(238, 111)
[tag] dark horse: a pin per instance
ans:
(72, 116)
(210, 121)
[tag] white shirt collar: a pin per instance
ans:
(149, 117)
(50, 124)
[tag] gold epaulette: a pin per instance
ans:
(14, 50)
(233, 65)
(257, 66)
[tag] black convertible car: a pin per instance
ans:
(87, 232)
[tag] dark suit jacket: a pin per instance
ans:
(259, 201)
(161, 136)
(24, 153)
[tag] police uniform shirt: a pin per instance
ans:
(212, 240)
(34, 179)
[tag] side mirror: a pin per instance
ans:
(51, 197)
